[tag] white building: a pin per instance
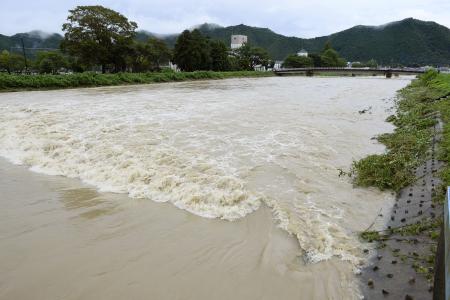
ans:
(237, 41)
(302, 52)
(278, 64)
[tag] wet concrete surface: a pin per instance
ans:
(391, 274)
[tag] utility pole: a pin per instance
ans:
(24, 55)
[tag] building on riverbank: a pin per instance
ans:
(302, 52)
(237, 41)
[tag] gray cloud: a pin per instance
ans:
(294, 18)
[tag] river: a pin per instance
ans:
(197, 190)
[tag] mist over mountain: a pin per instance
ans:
(409, 41)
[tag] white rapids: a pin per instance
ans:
(218, 149)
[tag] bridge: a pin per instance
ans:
(388, 72)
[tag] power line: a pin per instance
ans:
(24, 55)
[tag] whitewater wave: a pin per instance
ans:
(209, 152)
(50, 144)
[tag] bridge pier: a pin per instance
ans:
(309, 73)
(388, 74)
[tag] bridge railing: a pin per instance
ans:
(347, 69)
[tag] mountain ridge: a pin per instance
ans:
(408, 41)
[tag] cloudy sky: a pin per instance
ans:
(302, 18)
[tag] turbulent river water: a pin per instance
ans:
(263, 153)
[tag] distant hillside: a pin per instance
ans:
(33, 39)
(407, 42)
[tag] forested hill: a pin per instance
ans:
(33, 39)
(407, 42)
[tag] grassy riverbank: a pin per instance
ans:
(37, 82)
(408, 145)
(407, 148)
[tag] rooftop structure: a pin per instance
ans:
(302, 52)
(237, 41)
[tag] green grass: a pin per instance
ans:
(407, 147)
(422, 264)
(89, 79)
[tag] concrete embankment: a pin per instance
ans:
(415, 166)
(404, 252)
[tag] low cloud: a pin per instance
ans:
(294, 18)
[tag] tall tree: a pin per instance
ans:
(98, 36)
(219, 56)
(181, 53)
(192, 51)
(200, 51)
(149, 56)
(159, 53)
(330, 58)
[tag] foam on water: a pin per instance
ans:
(215, 149)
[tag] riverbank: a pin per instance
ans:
(15, 82)
(416, 166)
(407, 147)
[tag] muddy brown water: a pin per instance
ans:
(199, 190)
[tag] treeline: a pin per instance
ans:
(193, 51)
(327, 58)
(100, 39)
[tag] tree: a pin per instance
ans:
(294, 61)
(219, 56)
(98, 36)
(11, 62)
(327, 46)
(50, 62)
(372, 63)
(138, 58)
(249, 57)
(159, 53)
(192, 51)
(149, 56)
(234, 63)
(181, 53)
(330, 57)
(259, 56)
(317, 62)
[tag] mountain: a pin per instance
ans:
(33, 39)
(407, 42)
